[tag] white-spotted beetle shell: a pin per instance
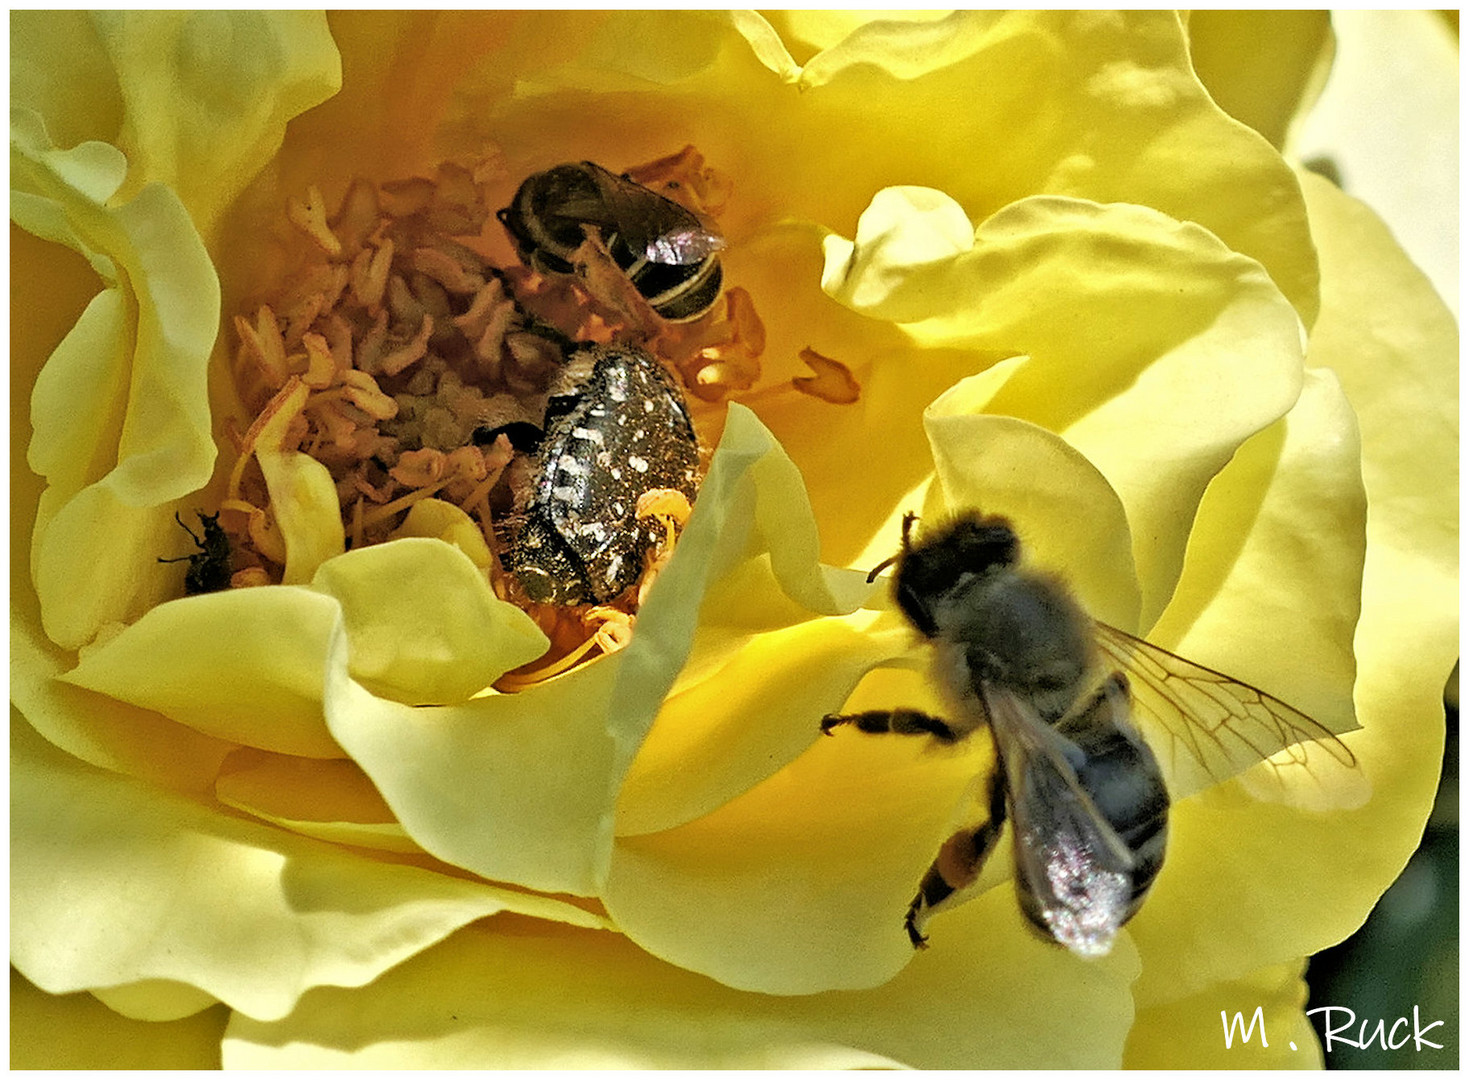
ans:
(616, 427)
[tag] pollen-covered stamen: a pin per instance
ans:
(726, 358)
(309, 215)
(612, 630)
(832, 380)
(249, 578)
(400, 339)
(261, 343)
(686, 178)
(671, 508)
(667, 505)
(397, 351)
(322, 367)
(260, 529)
(270, 425)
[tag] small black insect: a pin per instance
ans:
(209, 567)
(664, 249)
(616, 428)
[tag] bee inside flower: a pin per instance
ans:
(311, 812)
(401, 357)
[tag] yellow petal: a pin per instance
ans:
(77, 395)
(303, 499)
(303, 496)
(748, 718)
(514, 787)
(524, 784)
(1149, 324)
(76, 1031)
(206, 94)
(1100, 106)
(564, 999)
(328, 800)
(1071, 519)
(422, 623)
(155, 1000)
(244, 666)
(874, 442)
(1111, 112)
(1397, 362)
(1276, 556)
(98, 730)
(752, 486)
(134, 366)
(1212, 915)
(118, 883)
(809, 32)
(1395, 348)
(1263, 67)
(1202, 1032)
(1387, 124)
(59, 69)
(744, 705)
(444, 521)
(798, 885)
(401, 68)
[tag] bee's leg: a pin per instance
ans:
(959, 862)
(892, 721)
(671, 508)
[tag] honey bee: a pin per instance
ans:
(667, 253)
(1014, 652)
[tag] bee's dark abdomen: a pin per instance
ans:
(691, 297)
(1122, 776)
(623, 432)
(676, 293)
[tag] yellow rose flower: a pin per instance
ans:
(1069, 289)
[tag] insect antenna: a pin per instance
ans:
(880, 567)
(908, 521)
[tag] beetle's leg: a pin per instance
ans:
(672, 509)
(613, 627)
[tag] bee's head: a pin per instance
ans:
(931, 569)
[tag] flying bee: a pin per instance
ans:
(209, 567)
(1013, 652)
(667, 253)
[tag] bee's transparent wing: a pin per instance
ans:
(1075, 870)
(1204, 726)
(658, 229)
(682, 246)
(569, 193)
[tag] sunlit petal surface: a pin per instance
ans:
(1051, 265)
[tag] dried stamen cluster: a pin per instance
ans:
(396, 349)
(391, 345)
